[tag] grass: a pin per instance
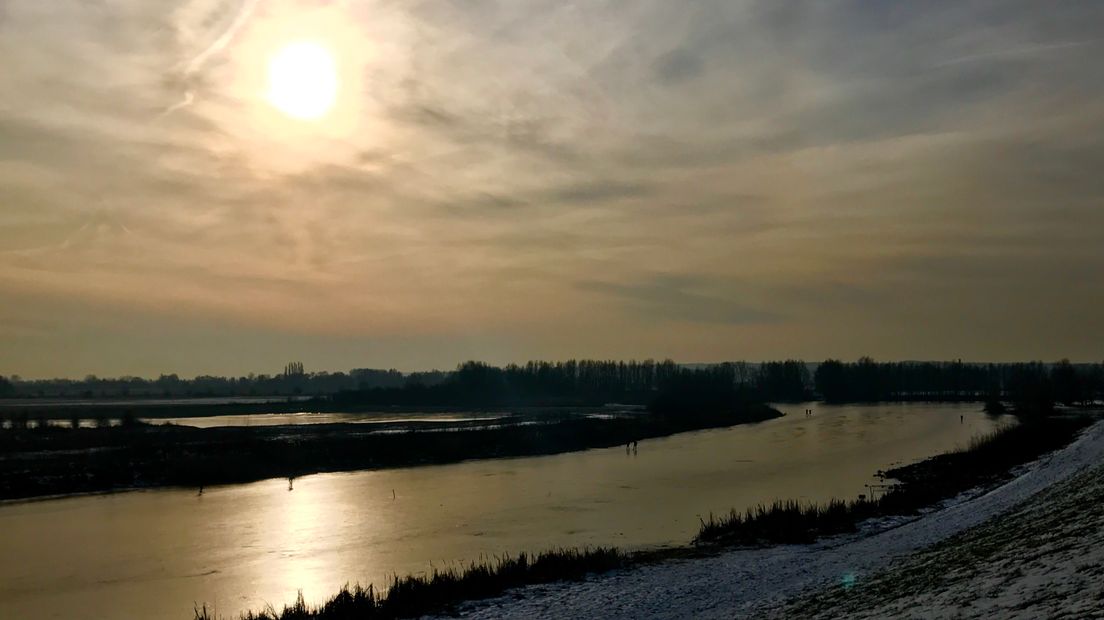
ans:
(785, 522)
(414, 596)
(985, 460)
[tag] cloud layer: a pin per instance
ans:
(535, 178)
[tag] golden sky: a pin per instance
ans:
(219, 186)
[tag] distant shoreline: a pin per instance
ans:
(58, 462)
(59, 409)
(65, 409)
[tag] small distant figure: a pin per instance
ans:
(290, 482)
(961, 419)
(634, 447)
(200, 490)
(392, 494)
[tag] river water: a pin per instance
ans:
(310, 417)
(153, 554)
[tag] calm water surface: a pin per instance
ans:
(153, 554)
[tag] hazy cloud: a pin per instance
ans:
(681, 299)
(832, 177)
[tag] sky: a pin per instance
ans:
(508, 180)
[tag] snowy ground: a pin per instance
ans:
(763, 582)
(1043, 560)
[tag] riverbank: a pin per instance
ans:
(761, 581)
(1045, 559)
(983, 462)
(56, 461)
(914, 487)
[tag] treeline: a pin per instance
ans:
(1026, 385)
(597, 382)
(292, 382)
(536, 382)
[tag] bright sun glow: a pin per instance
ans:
(302, 80)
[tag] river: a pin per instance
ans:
(153, 554)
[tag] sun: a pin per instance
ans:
(303, 80)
